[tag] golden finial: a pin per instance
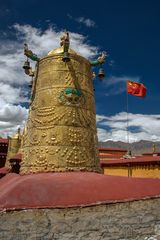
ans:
(154, 148)
(65, 39)
(65, 42)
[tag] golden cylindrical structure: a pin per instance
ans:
(60, 134)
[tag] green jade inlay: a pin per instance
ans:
(73, 91)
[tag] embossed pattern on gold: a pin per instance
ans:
(60, 134)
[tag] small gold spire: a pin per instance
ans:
(154, 148)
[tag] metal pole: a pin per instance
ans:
(127, 126)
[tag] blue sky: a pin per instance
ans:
(128, 30)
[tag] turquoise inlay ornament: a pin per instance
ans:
(71, 96)
(73, 91)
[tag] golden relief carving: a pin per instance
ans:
(60, 133)
(59, 96)
(68, 74)
(62, 158)
(63, 116)
(64, 82)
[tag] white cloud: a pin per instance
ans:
(86, 21)
(11, 118)
(79, 43)
(103, 135)
(41, 42)
(141, 127)
(13, 81)
(10, 94)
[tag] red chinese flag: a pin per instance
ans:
(136, 89)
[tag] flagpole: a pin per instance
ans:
(127, 126)
(135, 89)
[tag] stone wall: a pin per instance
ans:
(137, 220)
